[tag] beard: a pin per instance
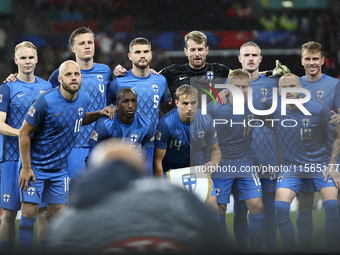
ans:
(68, 88)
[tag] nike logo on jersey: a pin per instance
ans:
(258, 190)
(173, 137)
(182, 78)
(57, 114)
(21, 95)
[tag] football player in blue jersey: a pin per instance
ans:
(235, 139)
(15, 100)
(181, 134)
(306, 154)
(128, 124)
(96, 78)
(46, 137)
(152, 90)
(327, 90)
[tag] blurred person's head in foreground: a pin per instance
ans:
(115, 209)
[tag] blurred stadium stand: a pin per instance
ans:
(278, 26)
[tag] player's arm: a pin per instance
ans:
(6, 129)
(277, 72)
(26, 173)
(93, 116)
(215, 156)
(54, 79)
(158, 157)
(333, 169)
(119, 70)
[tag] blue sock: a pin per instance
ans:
(7, 245)
(269, 221)
(332, 224)
(284, 223)
(26, 234)
(304, 225)
(221, 219)
(240, 224)
(256, 231)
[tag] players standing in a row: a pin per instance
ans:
(46, 138)
(305, 153)
(15, 100)
(96, 78)
(127, 124)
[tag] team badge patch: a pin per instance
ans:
(210, 75)
(305, 122)
(94, 135)
(158, 135)
(6, 197)
(320, 93)
(80, 111)
(30, 191)
(31, 111)
(264, 91)
(155, 88)
(133, 137)
(189, 182)
(41, 91)
(201, 134)
(0, 98)
(280, 178)
(100, 78)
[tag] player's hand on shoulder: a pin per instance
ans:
(210, 167)
(119, 71)
(279, 70)
(153, 71)
(223, 95)
(109, 112)
(25, 176)
(335, 119)
(12, 77)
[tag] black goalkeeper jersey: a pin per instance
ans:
(177, 75)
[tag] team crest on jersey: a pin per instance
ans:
(210, 75)
(100, 78)
(41, 91)
(189, 182)
(6, 197)
(201, 134)
(31, 111)
(305, 122)
(280, 178)
(80, 111)
(155, 88)
(94, 135)
(30, 191)
(0, 98)
(133, 137)
(158, 135)
(320, 93)
(264, 91)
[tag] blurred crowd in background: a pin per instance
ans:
(48, 24)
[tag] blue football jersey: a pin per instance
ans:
(326, 89)
(57, 123)
(263, 144)
(94, 82)
(183, 142)
(15, 100)
(304, 138)
(140, 131)
(235, 136)
(151, 91)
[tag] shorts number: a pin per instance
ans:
(67, 183)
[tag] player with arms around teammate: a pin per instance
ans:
(235, 140)
(180, 135)
(152, 90)
(96, 78)
(15, 100)
(306, 153)
(46, 137)
(127, 124)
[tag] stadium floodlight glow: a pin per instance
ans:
(287, 4)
